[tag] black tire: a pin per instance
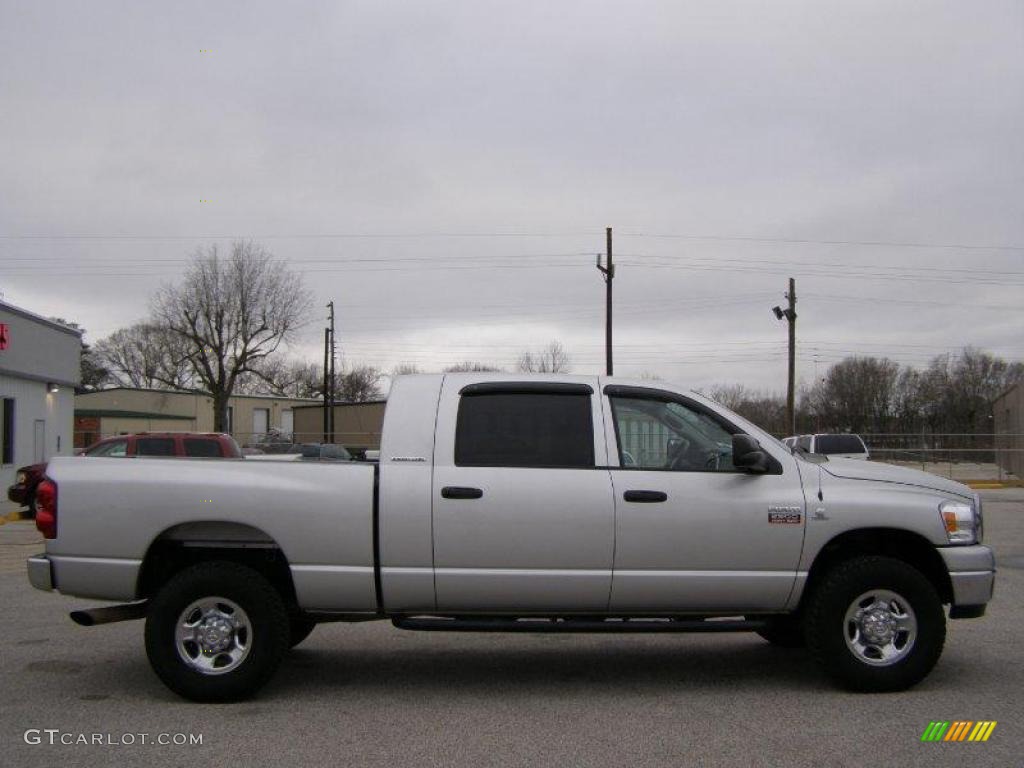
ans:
(826, 628)
(784, 631)
(267, 639)
(300, 627)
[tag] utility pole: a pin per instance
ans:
(327, 385)
(609, 274)
(790, 315)
(330, 306)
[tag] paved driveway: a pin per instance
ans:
(357, 695)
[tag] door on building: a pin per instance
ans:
(260, 421)
(287, 422)
(39, 441)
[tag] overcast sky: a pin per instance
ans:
(444, 171)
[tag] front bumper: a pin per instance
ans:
(972, 572)
(40, 572)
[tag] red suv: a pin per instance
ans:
(206, 445)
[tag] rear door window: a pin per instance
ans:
(197, 446)
(524, 429)
(154, 446)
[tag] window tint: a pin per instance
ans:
(154, 446)
(838, 444)
(524, 430)
(666, 434)
(113, 448)
(195, 446)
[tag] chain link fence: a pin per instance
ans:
(996, 457)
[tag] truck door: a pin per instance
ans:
(523, 514)
(693, 532)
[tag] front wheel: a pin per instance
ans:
(876, 624)
(217, 631)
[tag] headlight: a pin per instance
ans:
(21, 478)
(960, 522)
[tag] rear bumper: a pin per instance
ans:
(95, 577)
(40, 572)
(972, 572)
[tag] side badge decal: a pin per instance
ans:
(784, 515)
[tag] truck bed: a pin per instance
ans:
(112, 510)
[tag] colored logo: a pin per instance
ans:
(958, 730)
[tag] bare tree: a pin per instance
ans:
(766, 409)
(552, 359)
(858, 394)
(359, 384)
(470, 366)
(405, 369)
(233, 311)
(147, 356)
(272, 376)
(92, 373)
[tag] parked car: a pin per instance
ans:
(842, 446)
(502, 502)
(323, 452)
(210, 445)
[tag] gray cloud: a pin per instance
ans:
(807, 121)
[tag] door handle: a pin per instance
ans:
(645, 497)
(458, 492)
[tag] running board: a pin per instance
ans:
(577, 625)
(127, 612)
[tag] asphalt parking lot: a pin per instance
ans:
(368, 694)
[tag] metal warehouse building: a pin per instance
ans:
(39, 370)
(123, 410)
(356, 425)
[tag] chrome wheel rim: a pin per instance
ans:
(880, 627)
(213, 635)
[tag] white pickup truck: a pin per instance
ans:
(527, 504)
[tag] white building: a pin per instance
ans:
(39, 369)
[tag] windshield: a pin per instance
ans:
(838, 444)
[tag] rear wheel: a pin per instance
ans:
(876, 624)
(216, 632)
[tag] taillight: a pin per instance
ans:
(46, 509)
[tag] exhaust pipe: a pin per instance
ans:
(110, 614)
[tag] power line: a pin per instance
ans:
(809, 241)
(322, 236)
(578, 233)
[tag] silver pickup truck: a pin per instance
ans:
(524, 504)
